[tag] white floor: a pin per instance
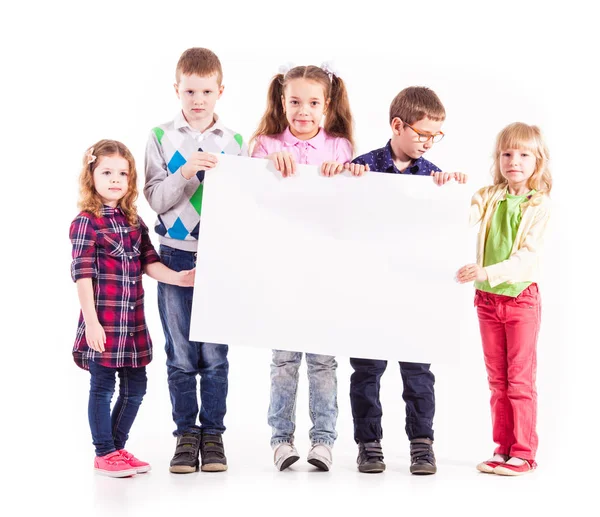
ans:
(64, 481)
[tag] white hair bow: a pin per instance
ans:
(286, 67)
(329, 68)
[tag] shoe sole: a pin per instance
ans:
(118, 474)
(182, 469)
(423, 471)
(373, 469)
(287, 462)
(320, 464)
(143, 470)
(503, 471)
(214, 467)
(486, 469)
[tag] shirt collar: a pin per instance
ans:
(316, 142)
(389, 161)
(108, 211)
(179, 122)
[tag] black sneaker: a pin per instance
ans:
(212, 453)
(370, 457)
(185, 459)
(422, 459)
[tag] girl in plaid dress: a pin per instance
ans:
(111, 251)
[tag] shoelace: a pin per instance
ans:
(422, 452)
(373, 450)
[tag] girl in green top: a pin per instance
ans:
(513, 215)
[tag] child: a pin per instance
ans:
(290, 133)
(177, 155)
(513, 213)
(111, 249)
(416, 118)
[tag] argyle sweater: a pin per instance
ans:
(176, 200)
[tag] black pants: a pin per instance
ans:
(418, 395)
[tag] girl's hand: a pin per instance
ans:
(198, 161)
(331, 168)
(185, 278)
(356, 169)
(284, 163)
(470, 273)
(95, 336)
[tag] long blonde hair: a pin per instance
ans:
(338, 118)
(89, 199)
(522, 136)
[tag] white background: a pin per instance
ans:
(75, 73)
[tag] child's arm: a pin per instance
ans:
(162, 273)
(94, 333)
(284, 162)
(162, 189)
(521, 266)
(341, 159)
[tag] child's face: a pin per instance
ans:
(198, 97)
(111, 179)
(517, 166)
(407, 139)
(304, 104)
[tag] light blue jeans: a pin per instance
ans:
(322, 391)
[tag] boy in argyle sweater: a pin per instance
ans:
(177, 154)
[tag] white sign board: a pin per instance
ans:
(348, 266)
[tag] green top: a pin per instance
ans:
(499, 242)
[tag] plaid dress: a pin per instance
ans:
(112, 253)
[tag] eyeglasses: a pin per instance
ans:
(424, 137)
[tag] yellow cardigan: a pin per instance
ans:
(523, 263)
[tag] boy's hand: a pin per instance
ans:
(185, 278)
(95, 336)
(198, 161)
(356, 169)
(284, 163)
(461, 177)
(470, 273)
(331, 168)
(441, 178)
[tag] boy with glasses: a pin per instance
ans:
(416, 118)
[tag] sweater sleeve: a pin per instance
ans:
(162, 189)
(522, 265)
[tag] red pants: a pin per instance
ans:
(509, 331)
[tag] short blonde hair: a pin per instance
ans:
(522, 136)
(201, 62)
(415, 103)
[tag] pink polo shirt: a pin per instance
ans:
(321, 148)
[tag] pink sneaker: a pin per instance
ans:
(113, 465)
(139, 465)
(506, 469)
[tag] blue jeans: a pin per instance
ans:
(111, 430)
(322, 402)
(186, 359)
(418, 395)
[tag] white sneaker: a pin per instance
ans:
(285, 455)
(321, 456)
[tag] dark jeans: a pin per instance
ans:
(187, 359)
(111, 430)
(418, 395)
